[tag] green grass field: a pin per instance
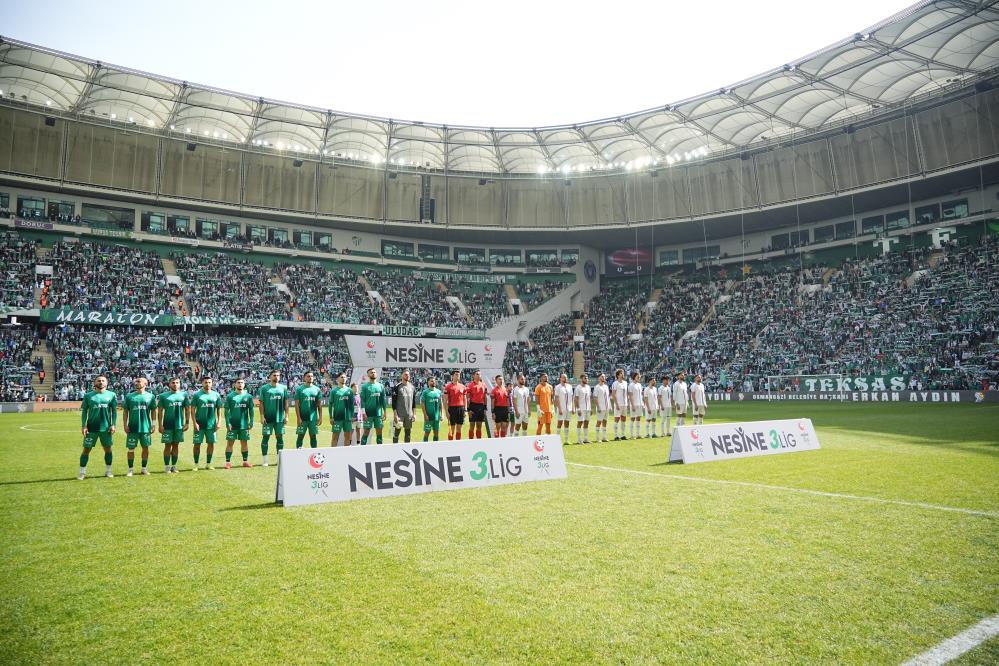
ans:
(676, 564)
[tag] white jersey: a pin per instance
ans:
(664, 398)
(620, 390)
(582, 393)
(521, 397)
(651, 399)
(680, 395)
(635, 395)
(563, 398)
(697, 395)
(601, 397)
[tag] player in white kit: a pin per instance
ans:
(601, 403)
(665, 406)
(680, 398)
(619, 402)
(636, 406)
(582, 397)
(699, 400)
(520, 399)
(651, 399)
(563, 406)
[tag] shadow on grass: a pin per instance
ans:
(21, 483)
(253, 507)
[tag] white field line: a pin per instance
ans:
(954, 647)
(805, 491)
(29, 428)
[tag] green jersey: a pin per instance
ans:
(173, 406)
(275, 401)
(139, 407)
(341, 404)
(100, 411)
(308, 399)
(239, 410)
(373, 400)
(431, 400)
(206, 405)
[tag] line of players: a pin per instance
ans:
(356, 414)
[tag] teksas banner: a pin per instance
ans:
(860, 383)
(724, 441)
(392, 352)
(335, 474)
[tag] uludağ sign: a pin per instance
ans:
(723, 441)
(335, 474)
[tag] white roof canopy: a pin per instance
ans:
(920, 51)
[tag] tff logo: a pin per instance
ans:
(801, 426)
(371, 344)
(539, 446)
(317, 460)
(489, 348)
(694, 435)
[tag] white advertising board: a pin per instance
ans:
(335, 474)
(724, 441)
(380, 351)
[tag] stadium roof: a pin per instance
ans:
(916, 53)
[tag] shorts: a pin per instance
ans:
(476, 412)
(312, 427)
(405, 421)
(376, 422)
(618, 411)
(636, 412)
(90, 439)
(544, 418)
(134, 439)
(650, 415)
(601, 414)
(680, 408)
(582, 415)
(523, 417)
(343, 425)
(173, 437)
(699, 410)
(273, 429)
(456, 415)
(501, 414)
(232, 435)
(432, 424)
(563, 416)
(204, 434)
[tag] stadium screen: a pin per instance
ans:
(628, 261)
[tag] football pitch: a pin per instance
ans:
(871, 550)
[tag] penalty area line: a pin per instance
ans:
(955, 646)
(790, 489)
(28, 428)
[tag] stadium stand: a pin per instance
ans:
(18, 257)
(222, 285)
(413, 302)
(329, 295)
(17, 367)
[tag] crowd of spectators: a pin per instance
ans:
(329, 295)
(222, 285)
(611, 323)
(410, 302)
(485, 303)
(18, 257)
(106, 277)
(549, 350)
(18, 367)
(533, 294)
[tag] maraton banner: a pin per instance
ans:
(335, 474)
(105, 318)
(392, 352)
(724, 441)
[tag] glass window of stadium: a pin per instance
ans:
(230, 230)
(154, 223)
(846, 229)
(206, 228)
(438, 253)
(872, 225)
(823, 234)
(392, 248)
(506, 257)
(955, 209)
(669, 257)
(108, 216)
(542, 258)
(31, 207)
(178, 224)
(570, 257)
(928, 214)
(4, 201)
(257, 233)
(897, 220)
(324, 241)
(692, 255)
(277, 235)
(61, 211)
(471, 256)
(302, 238)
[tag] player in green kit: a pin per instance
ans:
(238, 421)
(171, 408)
(137, 417)
(99, 415)
(373, 402)
(206, 404)
(273, 398)
(431, 400)
(308, 407)
(341, 408)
